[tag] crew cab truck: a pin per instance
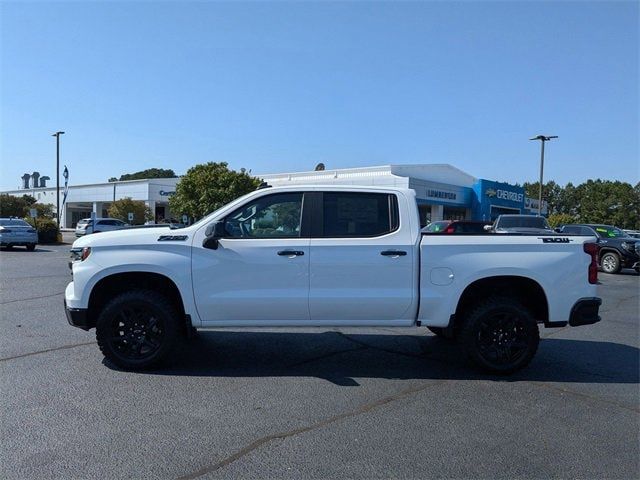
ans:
(328, 256)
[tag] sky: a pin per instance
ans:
(278, 87)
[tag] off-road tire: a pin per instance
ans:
(610, 262)
(133, 322)
(499, 335)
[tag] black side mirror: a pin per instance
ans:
(214, 232)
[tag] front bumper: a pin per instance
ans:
(585, 312)
(78, 317)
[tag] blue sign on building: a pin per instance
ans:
(491, 199)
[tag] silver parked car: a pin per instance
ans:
(86, 225)
(15, 231)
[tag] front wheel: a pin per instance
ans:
(500, 335)
(137, 329)
(610, 263)
(31, 247)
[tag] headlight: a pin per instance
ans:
(628, 246)
(80, 254)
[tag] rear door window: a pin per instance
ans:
(355, 214)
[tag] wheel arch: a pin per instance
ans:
(115, 283)
(526, 290)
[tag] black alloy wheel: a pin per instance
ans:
(137, 329)
(500, 336)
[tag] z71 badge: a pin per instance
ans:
(556, 239)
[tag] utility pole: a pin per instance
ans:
(542, 138)
(57, 135)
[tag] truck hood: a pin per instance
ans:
(133, 236)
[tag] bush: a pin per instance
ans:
(120, 209)
(48, 230)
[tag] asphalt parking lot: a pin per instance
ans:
(310, 403)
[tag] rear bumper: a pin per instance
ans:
(585, 312)
(78, 317)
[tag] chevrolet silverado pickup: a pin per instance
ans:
(328, 256)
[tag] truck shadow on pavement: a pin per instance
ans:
(343, 357)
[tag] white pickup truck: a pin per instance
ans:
(328, 256)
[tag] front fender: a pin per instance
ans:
(173, 263)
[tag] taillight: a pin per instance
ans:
(592, 249)
(449, 229)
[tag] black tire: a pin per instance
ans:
(31, 247)
(610, 262)
(8, 247)
(500, 335)
(138, 329)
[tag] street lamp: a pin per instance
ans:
(542, 138)
(57, 135)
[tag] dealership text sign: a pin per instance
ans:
(505, 195)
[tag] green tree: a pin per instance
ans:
(29, 199)
(557, 219)
(551, 193)
(120, 209)
(45, 210)
(11, 206)
(207, 187)
(148, 173)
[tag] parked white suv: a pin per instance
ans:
(86, 226)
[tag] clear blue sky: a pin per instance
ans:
(279, 87)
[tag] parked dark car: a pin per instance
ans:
(617, 249)
(456, 226)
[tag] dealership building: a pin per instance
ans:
(443, 192)
(83, 200)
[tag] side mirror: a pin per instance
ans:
(214, 232)
(487, 228)
(557, 230)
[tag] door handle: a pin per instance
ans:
(290, 253)
(393, 253)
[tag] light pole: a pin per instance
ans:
(542, 138)
(57, 135)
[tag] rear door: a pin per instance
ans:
(362, 260)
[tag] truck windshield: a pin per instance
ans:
(524, 221)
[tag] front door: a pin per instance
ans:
(259, 274)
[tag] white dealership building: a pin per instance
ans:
(442, 192)
(83, 200)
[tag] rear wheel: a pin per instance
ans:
(31, 247)
(500, 335)
(138, 329)
(610, 263)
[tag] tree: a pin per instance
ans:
(120, 209)
(551, 193)
(29, 199)
(11, 206)
(148, 173)
(45, 210)
(558, 219)
(207, 187)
